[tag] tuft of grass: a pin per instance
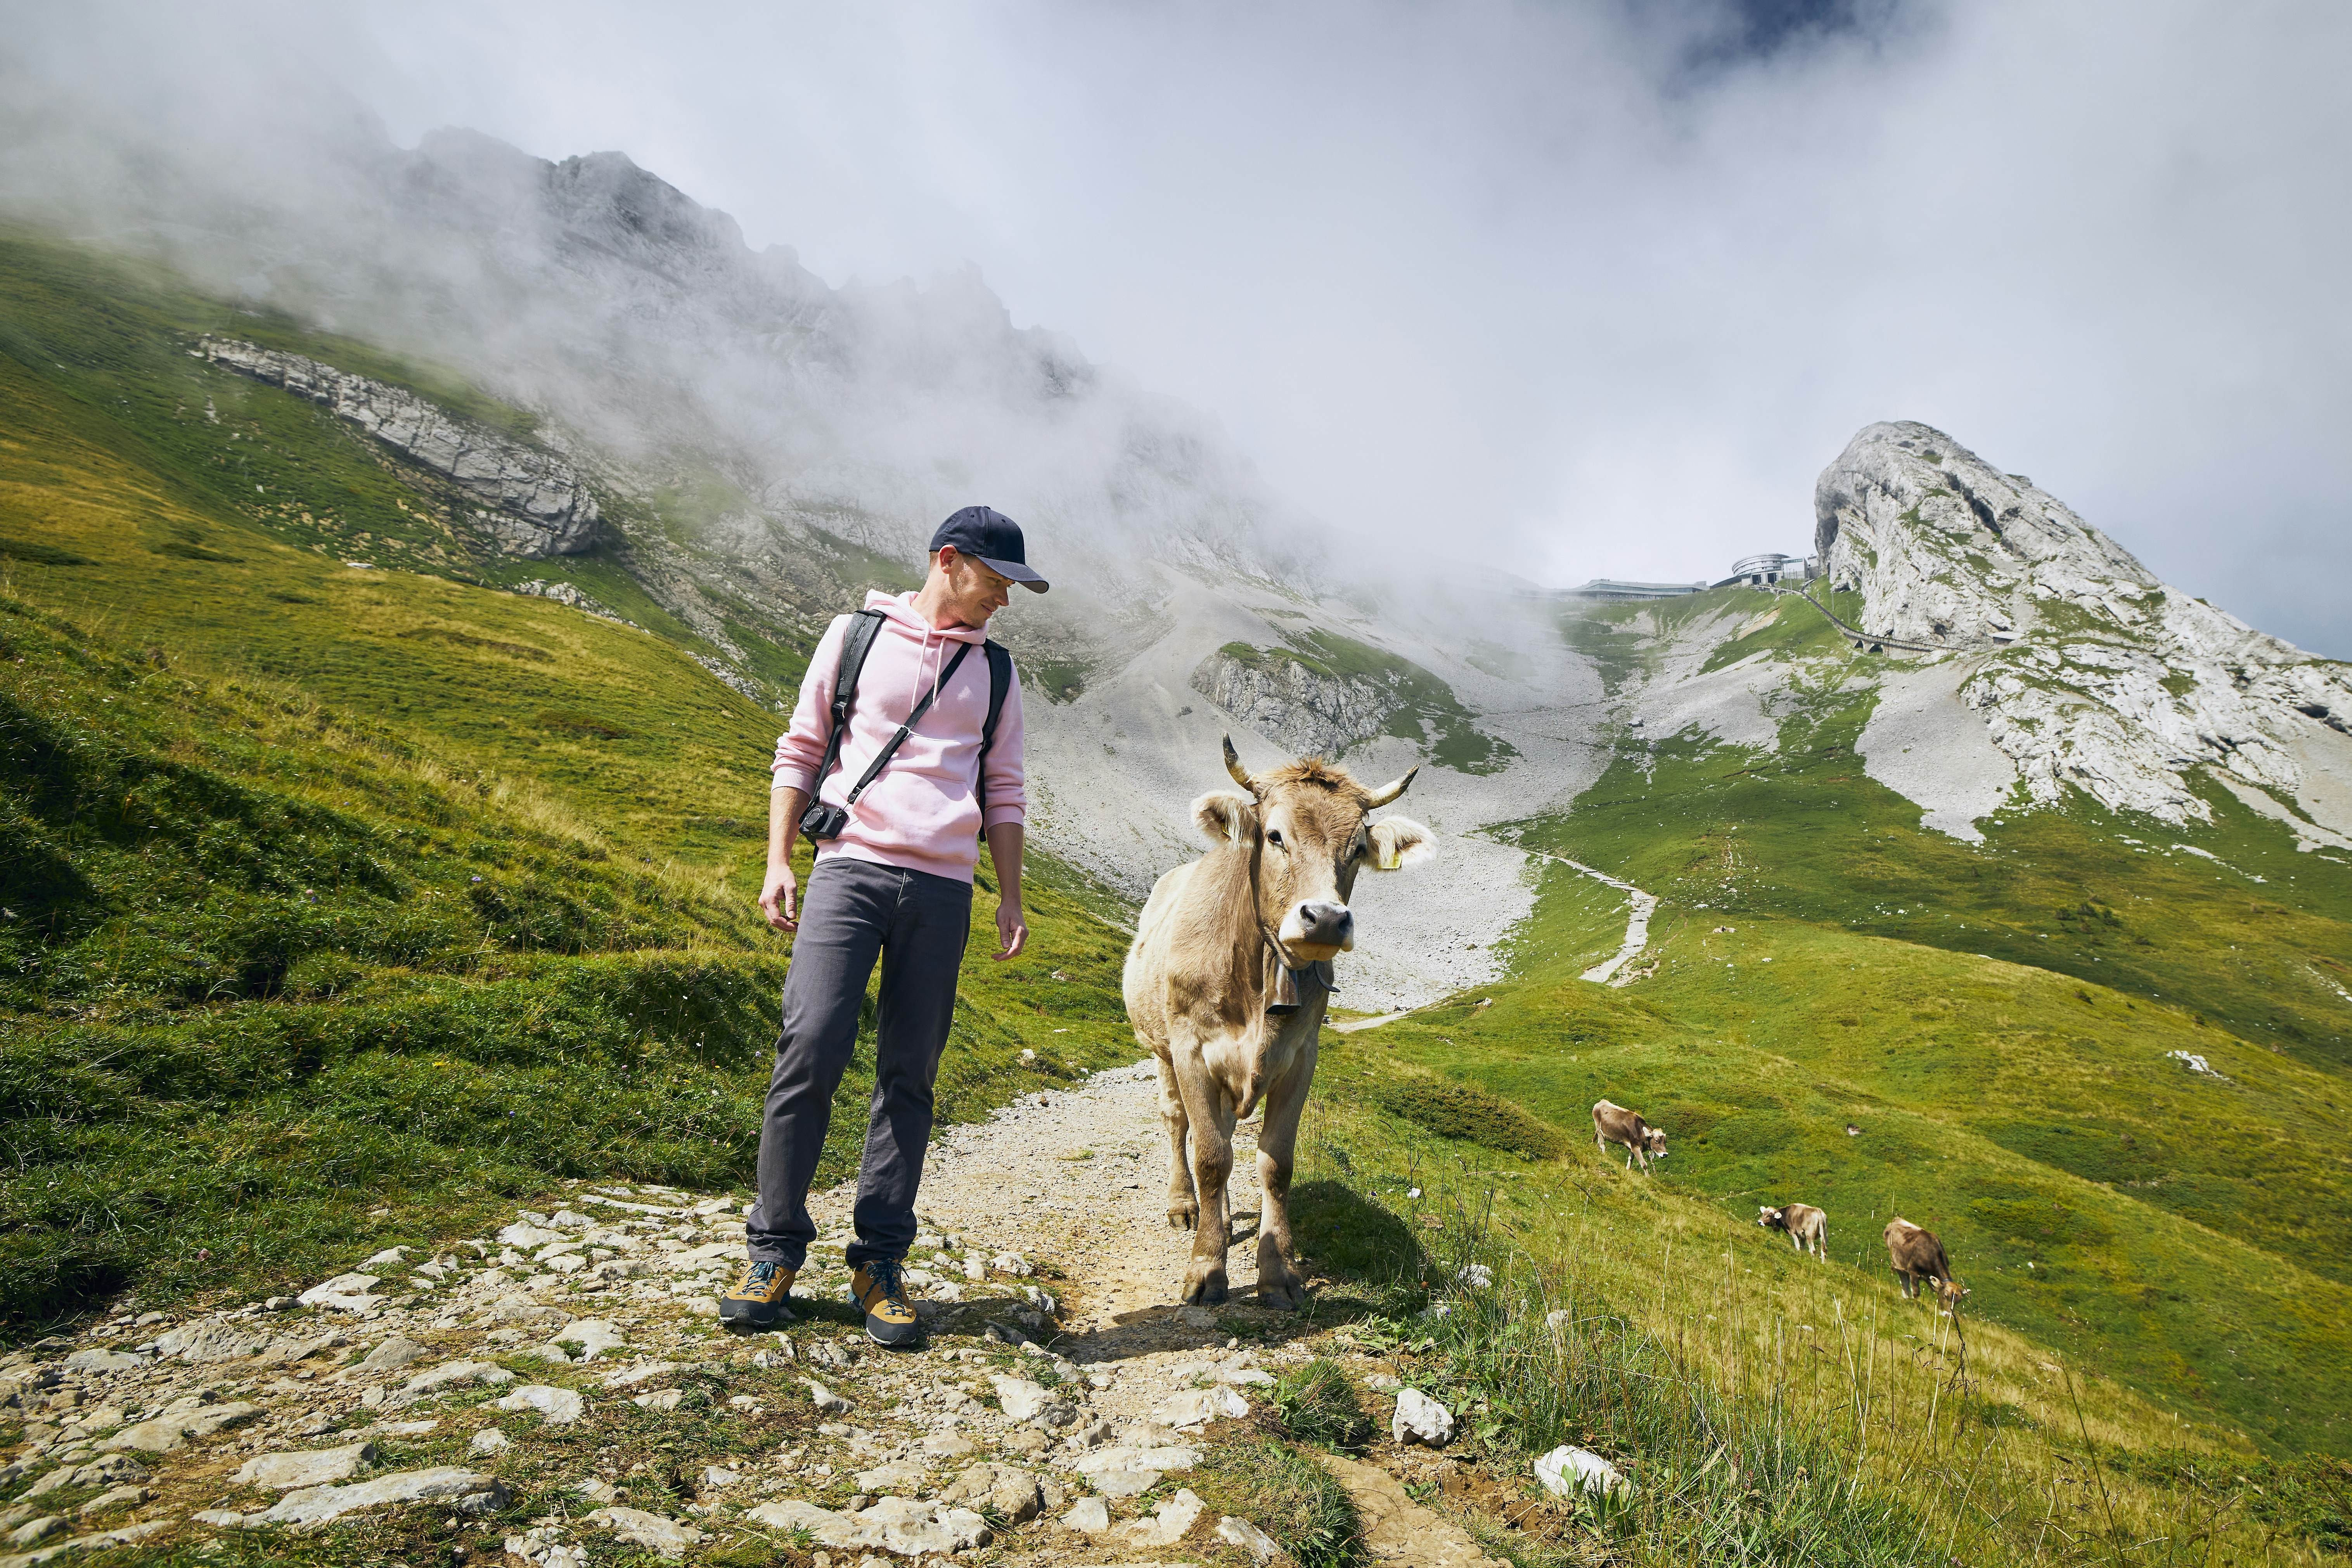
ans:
(1316, 1402)
(1285, 1493)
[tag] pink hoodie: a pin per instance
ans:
(919, 815)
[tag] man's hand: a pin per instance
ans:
(1011, 929)
(779, 899)
(780, 894)
(1004, 852)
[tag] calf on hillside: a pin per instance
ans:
(1916, 1255)
(1808, 1228)
(1228, 981)
(1615, 1124)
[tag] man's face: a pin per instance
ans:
(974, 593)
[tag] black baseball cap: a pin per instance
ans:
(993, 539)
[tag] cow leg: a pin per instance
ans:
(1278, 1280)
(1209, 1110)
(1796, 1241)
(1183, 1208)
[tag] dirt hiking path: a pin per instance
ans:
(529, 1396)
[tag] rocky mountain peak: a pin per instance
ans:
(1946, 548)
(2088, 670)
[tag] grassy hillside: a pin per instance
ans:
(1850, 1011)
(343, 896)
(1767, 1408)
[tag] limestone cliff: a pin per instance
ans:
(2088, 670)
(1312, 711)
(538, 505)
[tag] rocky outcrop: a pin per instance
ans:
(1286, 700)
(2090, 672)
(538, 505)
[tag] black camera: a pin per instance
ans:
(821, 822)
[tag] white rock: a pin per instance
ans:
(207, 1341)
(1421, 1419)
(560, 1406)
(825, 1399)
(1567, 1469)
(719, 1476)
(343, 1293)
(897, 1525)
(664, 1537)
(638, 1371)
(1126, 1482)
(1089, 1515)
(1240, 1532)
(469, 1491)
(1168, 1521)
(390, 1255)
(104, 1363)
(1020, 1398)
(489, 1440)
(450, 1374)
(899, 1475)
(315, 1467)
(1124, 1457)
(1011, 1263)
(595, 1336)
(661, 1399)
(391, 1355)
(1196, 1406)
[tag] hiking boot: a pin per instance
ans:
(880, 1286)
(758, 1295)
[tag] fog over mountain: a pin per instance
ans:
(1584, 289)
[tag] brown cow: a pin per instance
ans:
(1916, 1255)
(1228, 981)
(1615, 1124)
(1808, 1228)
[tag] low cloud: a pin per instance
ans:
(1571, 290)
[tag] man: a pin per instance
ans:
(895, 880)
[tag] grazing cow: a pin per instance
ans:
(1228, 981)
(1615, 1124)
(1916, 1255)
(1808, 1228)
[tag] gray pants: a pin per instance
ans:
(854, 911)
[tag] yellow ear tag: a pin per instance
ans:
(1388, 857)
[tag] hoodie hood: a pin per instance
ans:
(900, 608)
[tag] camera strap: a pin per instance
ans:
(890, 747)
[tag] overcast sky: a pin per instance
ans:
(1576, 289)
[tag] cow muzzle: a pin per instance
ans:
(1316, 930)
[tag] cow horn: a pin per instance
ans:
(1234, 766)
(1388, 793)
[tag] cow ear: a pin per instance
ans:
(1226, 817)
(1400, 841)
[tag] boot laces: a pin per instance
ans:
(889, 1278)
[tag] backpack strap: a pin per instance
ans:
(856, 642)
(999, 681)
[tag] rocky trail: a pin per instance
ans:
(563, 1386)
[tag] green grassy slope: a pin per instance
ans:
(1991, 1023)
(347, 899)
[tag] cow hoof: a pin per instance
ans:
(1282, 1295)
(1204, 1289)
(1183, 1216)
